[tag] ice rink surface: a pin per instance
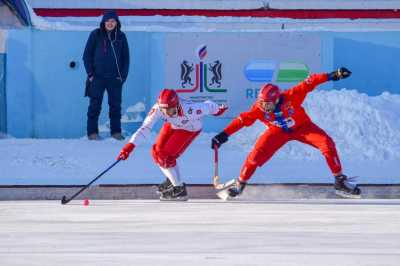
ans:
(201, 232)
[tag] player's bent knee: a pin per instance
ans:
(328, 148)
(166, 163)
(162, 160)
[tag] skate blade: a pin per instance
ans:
(160, 192)
(224, 195)
(185, 198)
(223, 190)
(347, 195)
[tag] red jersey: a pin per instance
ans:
(288, 115)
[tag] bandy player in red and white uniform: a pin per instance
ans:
(183, 123)
(287, 120)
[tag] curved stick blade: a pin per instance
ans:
(64, 200)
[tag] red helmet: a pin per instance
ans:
(269, 93)
(168, 99)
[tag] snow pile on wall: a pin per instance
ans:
(134, 113)
(217, 4)
(363, 127)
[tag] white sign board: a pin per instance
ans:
(230, 67)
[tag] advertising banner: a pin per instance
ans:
(230, 67)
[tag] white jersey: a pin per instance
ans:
(188, 118)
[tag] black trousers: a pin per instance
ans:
(96, 92)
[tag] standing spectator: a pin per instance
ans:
(106, 60)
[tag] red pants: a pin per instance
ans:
(275, 138)
(170, 144)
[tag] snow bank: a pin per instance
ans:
(212, 24)
(363, 127)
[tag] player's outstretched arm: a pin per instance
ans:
(221, 109)
(245, 119)
(219, 139)
(211, 108)
(125, 151)
(142, 133)
(299, 92)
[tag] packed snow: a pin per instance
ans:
(366, 131)
(134, 113)
(364, 128)
(201, 232)
(217, 24)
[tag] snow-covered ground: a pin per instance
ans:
(287, 233)
(366, 131)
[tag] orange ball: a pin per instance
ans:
(86, 202)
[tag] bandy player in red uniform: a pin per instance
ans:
(183, 123)
(287, 120)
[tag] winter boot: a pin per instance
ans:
(118, 136)
(345, 188)
(177, 193)
(94, 136)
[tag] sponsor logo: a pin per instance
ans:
(271, 70)
(203, 76)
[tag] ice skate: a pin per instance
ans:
(230, 189)
(164, 186)
(345, 188)
(177, 193)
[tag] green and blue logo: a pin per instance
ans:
(267, 70)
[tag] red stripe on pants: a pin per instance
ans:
(170, 144)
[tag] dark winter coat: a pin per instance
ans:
(99, 58)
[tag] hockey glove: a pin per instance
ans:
(219, 139)
(341, 73)
(221, 110)
(126, 150)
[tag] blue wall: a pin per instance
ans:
(45, 96)
(374, 63)
(2, 93)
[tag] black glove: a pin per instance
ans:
(341, 73)
(219, 139)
